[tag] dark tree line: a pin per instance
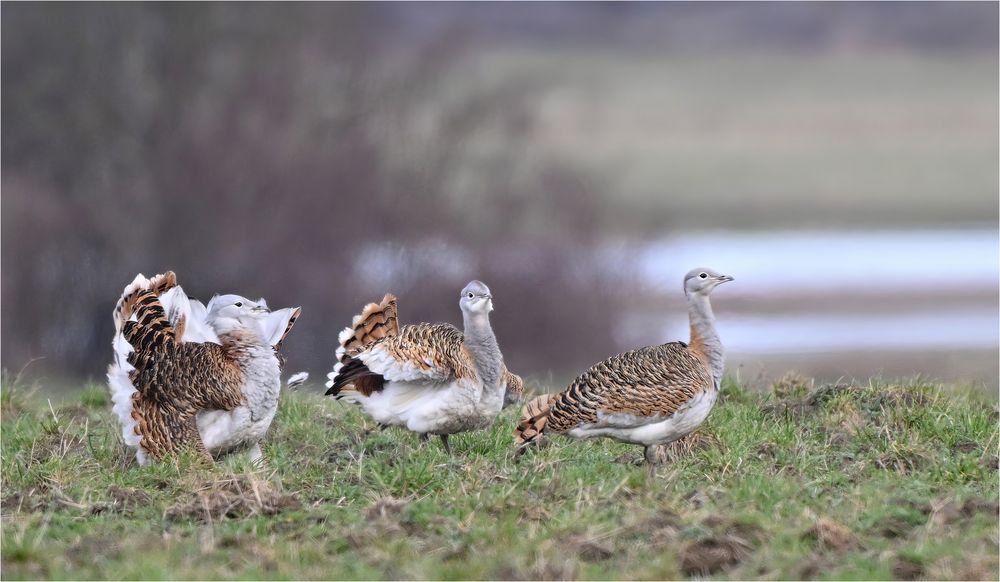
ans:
(260, 148)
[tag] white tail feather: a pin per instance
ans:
(297, 379)
(274, 325)
(140, 282)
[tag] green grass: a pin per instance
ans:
(876, 481)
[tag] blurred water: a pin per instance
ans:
(945, 261)
(846, 291)
(972, 328)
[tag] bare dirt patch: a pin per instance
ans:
(729, 544)
(965, 447)
(907, 569)
(234, 498)
(892, 528)
(34, 499)
(975, 505)
(589, 549)
(660, 529)
(814, 566)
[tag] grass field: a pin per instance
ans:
(791, 481)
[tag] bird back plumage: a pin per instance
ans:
(643, 385)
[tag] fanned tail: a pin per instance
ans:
(151, 331)
(119, 372)
(157, 285)
(375, 322)
(534, 417)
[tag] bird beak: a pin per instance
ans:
(725, 279)
(260, 309)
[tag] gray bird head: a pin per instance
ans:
(476, 298)
(227, 312)
(702, 281)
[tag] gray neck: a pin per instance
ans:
(482, 343)
(704, 337)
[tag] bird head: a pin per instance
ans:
(702, 281)
(476, 298)
(229, 312)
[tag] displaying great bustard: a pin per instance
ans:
(428, 378)
(650, 396)
(190, 375)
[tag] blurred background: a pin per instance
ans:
(840, 160)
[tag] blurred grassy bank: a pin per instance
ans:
(760, 140)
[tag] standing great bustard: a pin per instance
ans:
(428, 378)
(650, 396)
(187, 375)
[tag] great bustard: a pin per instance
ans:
(428, 378)
(650, 396)
(186, 375)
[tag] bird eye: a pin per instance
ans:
(471, 295)
(703, 275)
(239, 304)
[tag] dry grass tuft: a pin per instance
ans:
(685, 447)
(235, 497)
(792, 385)
(831, 535)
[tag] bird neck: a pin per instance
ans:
(704, 338)
(482, 344)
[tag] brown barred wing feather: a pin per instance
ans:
(631, 389)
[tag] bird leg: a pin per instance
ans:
(444, 441)
(380, 427)
(257, 456)
(424, 437)
(649, 452)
